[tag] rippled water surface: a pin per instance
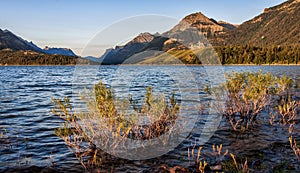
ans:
(25, 106)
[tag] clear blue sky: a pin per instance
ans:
(72, 23)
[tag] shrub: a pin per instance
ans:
(247, 94)
(285, 114)
(109, 121)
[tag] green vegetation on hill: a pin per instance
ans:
(173, 56)
(33, 58)
(246, 54)
(259, 55)
(278, 25)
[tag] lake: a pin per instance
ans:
(25, 106)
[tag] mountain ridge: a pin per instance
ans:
(277, 25)
(10, 41)
(182, 36)
(59, 51)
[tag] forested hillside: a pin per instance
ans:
(33, 58)
(259, 55)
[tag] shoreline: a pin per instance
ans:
(261, 64)
(33, 65)
(155, 65)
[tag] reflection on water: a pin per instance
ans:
(25, 105)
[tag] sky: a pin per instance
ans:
(74, 23)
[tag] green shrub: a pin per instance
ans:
(109, 121)
(247, 94)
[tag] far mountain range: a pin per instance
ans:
(10, 41)
(276, 26)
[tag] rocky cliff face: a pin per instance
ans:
(142, 38)
(208, 30)
(208, 27)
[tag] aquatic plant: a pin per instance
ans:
(108, 121)
(217, 150)
(247, 95)
(285, 115)
(10, 142)
(285, 112)
(295, 147)
(240, 167)
(71, 132)
(202, 166)
(199, 161)
(216, 160)
(191, 154)
(4, 138)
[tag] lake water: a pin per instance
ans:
(25, 106)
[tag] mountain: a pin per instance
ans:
(142, 38)
(59, 51)
(8, 40)
(191, 31)
(144, 41)
(278, 25)
(208, 27)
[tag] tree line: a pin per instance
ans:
(34, 58)
(244, 54)
(248, 54)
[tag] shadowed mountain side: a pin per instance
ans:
(59, 51)
(8, 40)
(121, 53)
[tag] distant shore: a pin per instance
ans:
(261, 64)
(32, 65)
(1, 65)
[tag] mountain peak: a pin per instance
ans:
(59, 51)
(207, 27)
(198, 16)
(144, 37)
(5, 30)
(11, 41)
